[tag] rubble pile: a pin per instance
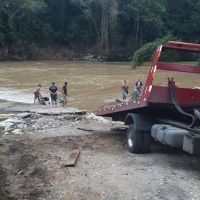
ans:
(39, 121)
(18, 123)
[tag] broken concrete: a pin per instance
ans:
(40, 109)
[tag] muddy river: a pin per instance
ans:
(89, 84)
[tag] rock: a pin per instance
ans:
(9, 127)
(23, 115)
(89, 57)
(17, 131)
(97, 118)
(13, 122)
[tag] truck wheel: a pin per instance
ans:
(134, 140)
(138, 141)
(146, 141)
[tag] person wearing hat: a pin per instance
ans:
(65, 95)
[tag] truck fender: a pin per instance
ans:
(141, 122)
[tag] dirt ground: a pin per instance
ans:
(34, 164)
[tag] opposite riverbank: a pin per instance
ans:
(33, 52)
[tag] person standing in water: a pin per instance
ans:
(139, 85)
(53, 94)
(169, 82)
(135, 94)
(124, 88)
(65, 95)
(37, 95)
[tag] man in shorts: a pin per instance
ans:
(124, 88)
(37, 94)
(65, 95)
(53, 94)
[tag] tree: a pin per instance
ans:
(21, 20)
(111, 26)
(183, 19)
(148, 20)
(103, 15)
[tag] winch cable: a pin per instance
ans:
(178, 107)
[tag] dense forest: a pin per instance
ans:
(112, 27)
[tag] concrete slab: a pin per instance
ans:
(73, 156)
(40, 109)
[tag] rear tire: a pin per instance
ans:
(138, 141)
(146, 141)
(134, 140)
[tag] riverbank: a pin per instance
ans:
(35, 162)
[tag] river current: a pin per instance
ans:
(89, 84)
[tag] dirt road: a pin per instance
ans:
(34, 164)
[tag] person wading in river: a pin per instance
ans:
(37, 95)
(138, 85)
(53, 94)
(135, 94)
(65, 95)
(124, 89)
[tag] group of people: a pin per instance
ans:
(138, 87)
(136, 91)
(53, 90)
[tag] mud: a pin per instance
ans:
(34, 164)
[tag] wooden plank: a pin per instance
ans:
(73, 156)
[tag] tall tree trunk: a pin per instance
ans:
(141, 35)
(137, 31)
(96, 28)
(109, 16)
(104, 29)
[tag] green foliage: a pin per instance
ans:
(146, 52)
(120, 25)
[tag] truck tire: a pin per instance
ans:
(138, 141)
(134, 140)
(146, 141)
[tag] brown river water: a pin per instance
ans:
(89, 84)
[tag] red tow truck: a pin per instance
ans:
(168, 114)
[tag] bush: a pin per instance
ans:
(146, 52)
